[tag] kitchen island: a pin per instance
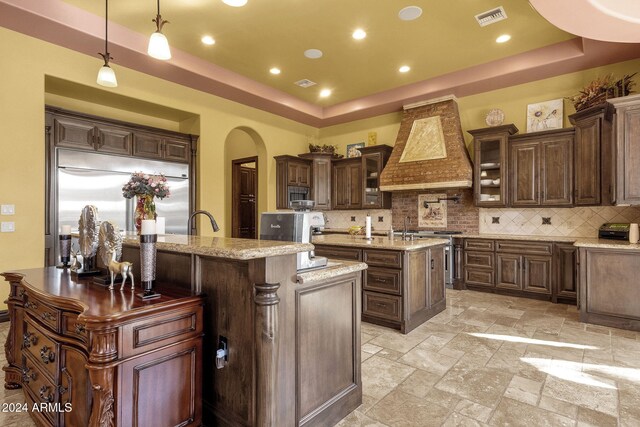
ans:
(405, 283)
(293, 339)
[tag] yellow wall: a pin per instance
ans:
(25, 63)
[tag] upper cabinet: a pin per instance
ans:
(293, 179)
(593, 155)
(347, 184)
(490, 165)
(626, 174)
(156, 146)
(321, 171)
(374, 159)
(74, 132)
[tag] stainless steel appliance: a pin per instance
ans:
(92, 178)
(449, 252)
(615, 231)
(293, 227)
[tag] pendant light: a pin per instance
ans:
(158, 43)
(106, 76)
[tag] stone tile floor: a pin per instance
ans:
(486, 360)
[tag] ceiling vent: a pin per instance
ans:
(305, 83)
(491, 16)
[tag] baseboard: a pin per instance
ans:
(4, 315)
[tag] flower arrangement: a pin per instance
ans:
(601, 89)
(142, 184)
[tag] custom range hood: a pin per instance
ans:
(429, 152)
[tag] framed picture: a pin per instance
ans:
(352, 149)
(545, 115)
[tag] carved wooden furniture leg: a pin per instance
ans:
(266, 356)
(102, 410)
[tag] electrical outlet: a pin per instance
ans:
(7, 227)
(8, 210)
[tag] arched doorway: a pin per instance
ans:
(244, 154)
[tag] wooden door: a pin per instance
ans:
(340, 186)
(304, 174)
(111, 139)
(556, 171)
(244, 195)
(176, 150)
(355, 185)
(73, 133)
(321, 188)
(437, 284)
(564, 277)
(292, 173)
(524, 180)
(509, 274)
(536, 273)
(147, 145)
(587, 162)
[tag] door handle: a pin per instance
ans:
(433, 264)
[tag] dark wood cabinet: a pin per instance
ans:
(374, 159)
(321, 171)
(593, 152)
(541, 168)
(292, 173)
(298, 173)
(91, 135)
(508, 272)
(627, 150)
(565, 273)
(347, 184)
(536, 274)
(490, 177)
(156, 146)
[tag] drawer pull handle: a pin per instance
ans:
(62, 390)
(26, 376)
(433, 265)
(47, 355)
(80, 328)
(380, 304)
(45, 397)
(29, 339)
(380, 279)
(32, 305)
(48, 316)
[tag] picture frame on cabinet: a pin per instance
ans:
(545, 115)
(352, 149)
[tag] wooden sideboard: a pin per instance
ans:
(96, 357)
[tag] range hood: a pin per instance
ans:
(429, 152)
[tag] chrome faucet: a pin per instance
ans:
(214, 225)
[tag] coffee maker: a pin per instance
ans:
(290, 226)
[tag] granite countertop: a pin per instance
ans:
(377, 242)
(606, 243)
(346, 231)
(334, 268)
(535, 238)
(222, 247)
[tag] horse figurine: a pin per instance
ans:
(123, 268)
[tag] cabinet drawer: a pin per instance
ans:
(45, 314)
(42, 349)
(383, 280)
(479, 245)
(72, 328)
(40, 389)
(525, 247)
(480, 277)
(336, 252)
(382, 258)
(479, 259)
(383, 306)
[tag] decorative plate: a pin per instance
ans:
(494, 117)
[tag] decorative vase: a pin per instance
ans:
(145, 209)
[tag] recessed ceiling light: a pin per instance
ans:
(275, 70)
(404, 69)
(409, 13)
(313, 53)
(235, 3)
(359, 34)
(503, 38)
(208, 40)
(325, 93)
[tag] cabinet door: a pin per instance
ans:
(509, 276)
(321, 189)
(292, 173)
(340, 187)
(113, 140)
(437, 285)
(536, 273)
(556, 171)
(73, 133)
(524, 179)
(565, 285)
(75, 388)
(628, 146)
(282, 195)
(587, 162)
(304, 175)
(147, 145)
(176, 150)
(371, 168)
(355, 186)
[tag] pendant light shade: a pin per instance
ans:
(158, 43)
(106, 75)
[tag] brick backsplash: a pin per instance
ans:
(569, 222)
(461, 216)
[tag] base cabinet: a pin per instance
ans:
(565, 284)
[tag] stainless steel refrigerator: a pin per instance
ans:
(91, 178)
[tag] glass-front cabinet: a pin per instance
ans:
(374, 158)
(490, 165)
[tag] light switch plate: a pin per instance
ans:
(7, 227)
(8, 209)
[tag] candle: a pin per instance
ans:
(160, 224)
(148, 226)
(65, 230)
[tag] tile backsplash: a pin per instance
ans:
(569, 222)
(380, 218)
